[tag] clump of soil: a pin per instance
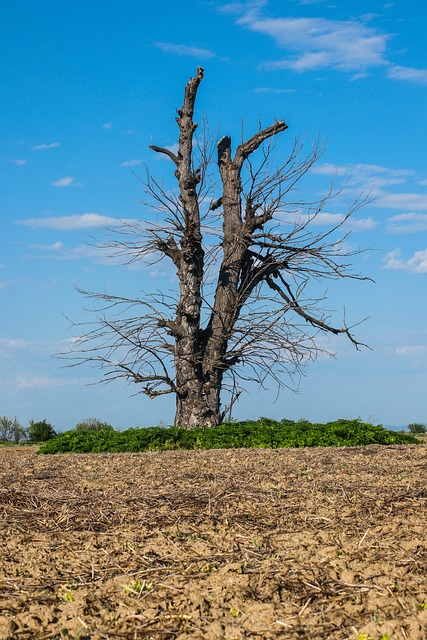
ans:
(226, 544)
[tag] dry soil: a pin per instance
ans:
(310, 543)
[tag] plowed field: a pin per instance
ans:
(308, 543)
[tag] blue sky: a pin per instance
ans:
(85, 88)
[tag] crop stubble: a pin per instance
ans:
(296, 543)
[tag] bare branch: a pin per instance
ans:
(244, 150)
(167, 152)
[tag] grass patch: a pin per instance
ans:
(263, 433)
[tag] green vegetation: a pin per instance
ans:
(40, 431)
(93, 424)
(263, 433)
(417, 427)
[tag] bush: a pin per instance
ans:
(93, 424)
(264, 433)
(417, 427)
(41, 431)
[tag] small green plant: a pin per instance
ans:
(137, 587)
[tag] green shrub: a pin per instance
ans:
(93, 424)
(416, 427)
(40, 431)
(263, 433)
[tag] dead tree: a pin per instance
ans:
(240, 311)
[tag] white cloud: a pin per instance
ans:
(67, 181)
(328, 219)
(354, 224)
(12, 344)
(51, 145)
(410, 350)
(242, 7)
(185, 50)
(375, 180)
(273, 90)
(132, 163)
(412, 201)
(107, 125)
(418, 76)
(408, 223)
(329, 169)
(70, 223)
(416, 264)
(319, 43)
(46, 382)
(366, 175)
(56, 246)
(81, 252)
(97, 254)
(19, 163)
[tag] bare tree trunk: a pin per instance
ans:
(200, 407)
(255, 323)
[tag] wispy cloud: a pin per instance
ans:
(13, 344)
(10, 347)
(185, 50)
(368, 176)
(315, 44)
(412, 222)
(410, 350)
(418, 76)
(97, 254)
(411, 201)
(70, 223)
(51, 145)
(67, 181)
(245, 7)
(273, 90)
(132, 163)
(60, 251)
(19, 163)
(107, 125)
(319, 43)
(329, 219)
(416, 264)
(48, 382)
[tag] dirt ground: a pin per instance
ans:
(308, 543)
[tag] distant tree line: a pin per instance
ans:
(12, 431)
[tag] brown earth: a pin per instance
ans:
(309, 543)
